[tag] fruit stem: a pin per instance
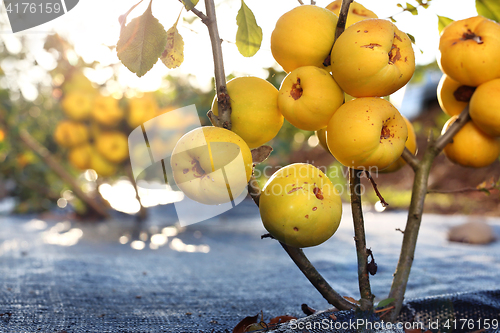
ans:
(366, 302)
(344, 10)
(331, 296)
(223, 100)
(415, 212)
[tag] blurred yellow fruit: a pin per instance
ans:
(69, 133)
(411, 144)
(255, 115)
(106, 111)
(102, 166)
(485, 107)
(453, 96)
(471, 147)
(357, 12)
(211, 165)
(469, 50)
(367, 133)
(77, 105)
(142, 109)
(25, 158)
(112, 145)
(303, 36)
(372, 58)
(77, 81)
(308, 97)
(80, 156)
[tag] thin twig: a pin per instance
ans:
(410, 159)
(195, 11)
(463, 190)
(331, 296)
(447, 137)
(366, 302)
(56, 166)
(223, 100)
(375, 187)
(301, 2)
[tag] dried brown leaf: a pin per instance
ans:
(261, 153)
(244, 323)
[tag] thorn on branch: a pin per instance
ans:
(372, 181)
(213, 118)
(401, 231)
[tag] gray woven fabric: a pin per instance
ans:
(100, 285)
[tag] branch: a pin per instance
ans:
(344, 10)
(59, 170)
(195, 11)
(419, 191)
(143, 214)
(375, 187)
(223, 100)
(366, 302)
(447, 137)
(463, 190)
(332, 297)
(410, 159)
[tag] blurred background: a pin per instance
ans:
(67, 106)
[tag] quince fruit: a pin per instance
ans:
(77, 105)
(142, 109)
(367, 133)
(106, 111)
(112, 145)
(211, 165)
(299, 206)
(69, 133)
(304, 36)
(255, 115)
(469, 50)
(80, 156)
(308, 98)
(453, 96)
(485, 107)
(471, 147)
(372, 58)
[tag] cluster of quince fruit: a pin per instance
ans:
(371, 59)
(299, 205)
(93, 130)
(469, 53)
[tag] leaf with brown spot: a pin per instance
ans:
(244, 323)
(261, 154)
(173, 55)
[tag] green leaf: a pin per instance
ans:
(385, 302)
(489, 9)
(393, 20)
(141, 43)
(249, 34)
(173, 55)
(412, 38)
(189, 4)
(443, 22)
(412, 9)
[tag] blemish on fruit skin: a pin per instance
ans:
(185, 171)
(365, 31)
(295, 228)
(296, 90)
(371, 45)
(317, 192)
(315, 208)
(397, 37)
(307, 216)
(294, 189)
